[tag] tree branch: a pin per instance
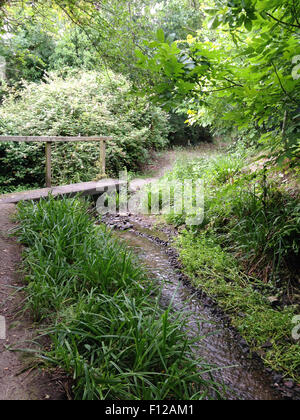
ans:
(234, 83)
(295, 9)
(281, 22)
(219, 90)
(281, 85)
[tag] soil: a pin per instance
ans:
(19, 378)
(164, 161)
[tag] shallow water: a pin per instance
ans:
(244, 378)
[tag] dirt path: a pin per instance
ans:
(164, 161)
(33, 384)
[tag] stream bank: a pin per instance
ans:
(222, 346)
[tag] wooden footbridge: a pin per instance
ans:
(84, 188)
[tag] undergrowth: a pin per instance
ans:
(82, 103)
(245, 253)
(267, 329)
(250, 213)
(104, 320)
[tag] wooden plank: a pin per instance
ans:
(48, 165)
(45, 139)
(84, 189)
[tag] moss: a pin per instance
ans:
(217, 273)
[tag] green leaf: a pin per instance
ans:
(248, 24)
(213, 23)
(211, 12)
(160, 35)
(140, 56)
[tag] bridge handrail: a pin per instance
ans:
(55, 139)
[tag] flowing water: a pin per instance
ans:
(243, 377)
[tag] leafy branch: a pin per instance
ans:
(281, 85)
(282, 22)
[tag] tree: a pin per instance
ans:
(110, 30)
(245, 61)
(27, 53)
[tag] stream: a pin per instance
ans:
(217, 345)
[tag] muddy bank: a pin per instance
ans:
(223, 346)
(19, 380)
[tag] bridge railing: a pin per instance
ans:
(48, 140)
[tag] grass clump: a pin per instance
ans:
(106, 326)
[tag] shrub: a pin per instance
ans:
(87, 104)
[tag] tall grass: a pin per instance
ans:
(106, 326)
(249, 212)
(246, 252)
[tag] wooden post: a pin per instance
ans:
(48, 164)
(103, 157)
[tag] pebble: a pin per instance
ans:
(289, 384)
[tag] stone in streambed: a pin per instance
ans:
(126, 226)
(289, 384)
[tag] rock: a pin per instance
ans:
(278, 378)
(243, 343)
(273, 300)
(126, 226)
(267, 345)
(289, 384)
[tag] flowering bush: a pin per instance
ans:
(84, 103)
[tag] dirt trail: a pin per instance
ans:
(32, 384)
(163, 162)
